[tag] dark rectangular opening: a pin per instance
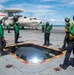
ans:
(49, 53)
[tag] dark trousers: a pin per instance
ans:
(8, 30)
(46, 38)
(16, 37)
(66, 40)
(42, 29)
(1, 44)
(70, 48)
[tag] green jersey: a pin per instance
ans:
(68, 25)
(16, 28)
(48, 29)
(70, 28)
(8, 26)
(43, 25)
(1, 31)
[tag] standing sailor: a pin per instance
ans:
(73, 19)
(70, 48)
(1, 38)
(8, 27)
(43, 27)
(16, 31)
(66, 39)
(47, 30)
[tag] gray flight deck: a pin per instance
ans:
(45, 68)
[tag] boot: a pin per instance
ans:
(2, 53)
(72, 64)
(44, 44)
(62, 49)
(64, 66)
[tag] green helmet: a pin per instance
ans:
(67, 19)
(47, 22)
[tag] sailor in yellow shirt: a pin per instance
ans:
(69, 48)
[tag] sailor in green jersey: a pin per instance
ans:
(47, 30)
(1, 38)
(8, 27)
(16, 31)
(42, 27)
(66, 39)
(73, 19)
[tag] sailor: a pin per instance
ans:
(66, 39)
(1, 38)
(47, 30)
(70, 48)
(8, 27)
(73, 19)
(16, 31)
(43, 27)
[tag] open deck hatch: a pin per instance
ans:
(32, 53)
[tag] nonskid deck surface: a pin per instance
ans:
(46, 68)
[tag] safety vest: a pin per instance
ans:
(16, 28)
(8, 26)
(69, 24)
(47, 30)
(1, 31)
(71, 31)
(43, 25)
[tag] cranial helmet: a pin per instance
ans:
(47, 22)
(0, 21)
(67, 19)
